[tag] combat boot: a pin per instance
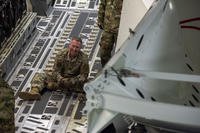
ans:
(32, 95)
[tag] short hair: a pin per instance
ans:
(77, 39)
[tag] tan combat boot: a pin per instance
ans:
(32, 95)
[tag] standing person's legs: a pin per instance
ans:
(106, 46)
(7, 124)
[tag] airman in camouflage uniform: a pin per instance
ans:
(7, 104)
(108, 20)
(70, 72)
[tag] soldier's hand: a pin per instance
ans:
(65, 83)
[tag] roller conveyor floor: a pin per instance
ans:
(56, 112)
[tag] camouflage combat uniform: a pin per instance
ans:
(7, 104)
(108, 20)
(67, 75)
(74, 73)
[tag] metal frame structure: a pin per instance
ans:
(154, 77)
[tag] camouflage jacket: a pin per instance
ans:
(77, 68)
(109, 15)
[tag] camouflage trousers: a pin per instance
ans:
(107, 42)
(7, 103)
(44, 80)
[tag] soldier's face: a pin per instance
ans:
(74, 48)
